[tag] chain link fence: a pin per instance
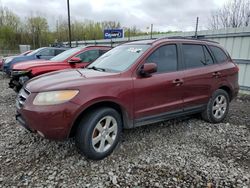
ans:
(4, 53)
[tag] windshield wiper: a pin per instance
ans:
(97, 68)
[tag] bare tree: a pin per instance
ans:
(235, 13)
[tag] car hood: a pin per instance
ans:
(22, 58)
(65, 79)
(30, 64)
(9, 57)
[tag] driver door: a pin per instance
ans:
(158, 95)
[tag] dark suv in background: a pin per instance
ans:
(133, 84)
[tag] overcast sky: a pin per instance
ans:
(164, 14)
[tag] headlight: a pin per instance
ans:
(8, 60)
(54, 97)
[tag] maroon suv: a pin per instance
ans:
(133, 84)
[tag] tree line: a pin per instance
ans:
(36, 32)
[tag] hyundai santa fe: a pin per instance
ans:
(134, 84)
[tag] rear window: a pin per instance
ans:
(193, 55)
(219, 54)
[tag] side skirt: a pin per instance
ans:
(169, 115)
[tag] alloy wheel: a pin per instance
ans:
(104, 134)
(219, 106)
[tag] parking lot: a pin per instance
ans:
(184, 152)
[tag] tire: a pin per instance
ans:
(93, 137)
(218, 102)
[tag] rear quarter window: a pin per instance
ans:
(219, 54)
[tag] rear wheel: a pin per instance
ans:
(217, 107)
(98, 133)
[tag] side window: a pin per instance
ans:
(219, 54)
(89, 56)
(165, 57)
(193, 55)
(208, 57)
(47, 52)
(57, 51)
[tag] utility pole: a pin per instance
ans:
(69, 23)
(128, 34)
(151, 33)
(57, 31)
(196, 28)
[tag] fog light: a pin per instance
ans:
(40, 133)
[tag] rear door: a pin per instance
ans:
(198, 75)
(158, 95)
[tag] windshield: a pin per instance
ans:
(120, 58)
(65, 55)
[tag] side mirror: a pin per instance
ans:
(147, 69)
(38, 56)
(74, 60)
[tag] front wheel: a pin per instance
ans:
(98, 133)
(217, 107)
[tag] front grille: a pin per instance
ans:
(22, 97)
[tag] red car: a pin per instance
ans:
(74, 58)
(132, 85)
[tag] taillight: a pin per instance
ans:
(237, 66)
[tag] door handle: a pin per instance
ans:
(178, 82)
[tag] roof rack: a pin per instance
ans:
(209, 41)
(93, 45)
(136, 40)
(188, 38)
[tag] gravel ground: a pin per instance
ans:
(176, 153)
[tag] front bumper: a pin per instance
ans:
(52, 122)
(21, 121)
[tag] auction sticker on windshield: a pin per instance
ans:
(135, 50)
